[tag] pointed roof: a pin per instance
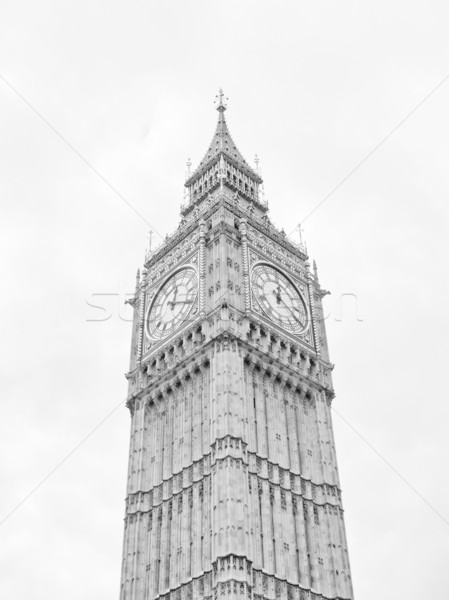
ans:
(222, 143)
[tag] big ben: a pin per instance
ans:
(233, 489)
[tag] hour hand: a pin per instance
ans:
(173, 302)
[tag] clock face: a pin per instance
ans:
(278, 298)
(172, 303)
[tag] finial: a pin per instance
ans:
(315, 270)
(189, 164)
(221, 101)
(256, 161)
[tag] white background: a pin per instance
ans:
(313, 87)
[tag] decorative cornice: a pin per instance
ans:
(272, 364)
(265, 471)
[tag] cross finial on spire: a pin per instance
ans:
(221, 100)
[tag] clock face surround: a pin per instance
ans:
(278, 298)
(172, 303)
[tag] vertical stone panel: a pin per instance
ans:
(248, 396)
(314, 441)
(206, 527)
(261, 426)
(332, 562)
(197, 527)
(277, 513)
(158, 552)
(141, 534)
(345, 559)
(302, 543)
(284, 448)
(125, 576)
(205, 414)
(271, 420)
(335, 476)
(292, 433)
(327, 442)
(302, 416)
(291, 562)
(193, 422)
(177, 437)
(149, 556)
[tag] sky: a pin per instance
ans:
(101, 105)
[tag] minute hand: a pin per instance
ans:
(289, 308)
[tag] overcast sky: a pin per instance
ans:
(313, 87)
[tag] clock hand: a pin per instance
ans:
(180, 302)
(289, 308)
(277, 293)
(298, 309)
(302, 315)
(279, 299)
(171, 302)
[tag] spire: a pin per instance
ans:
(222, 143)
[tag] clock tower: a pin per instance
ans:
(233, 488)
